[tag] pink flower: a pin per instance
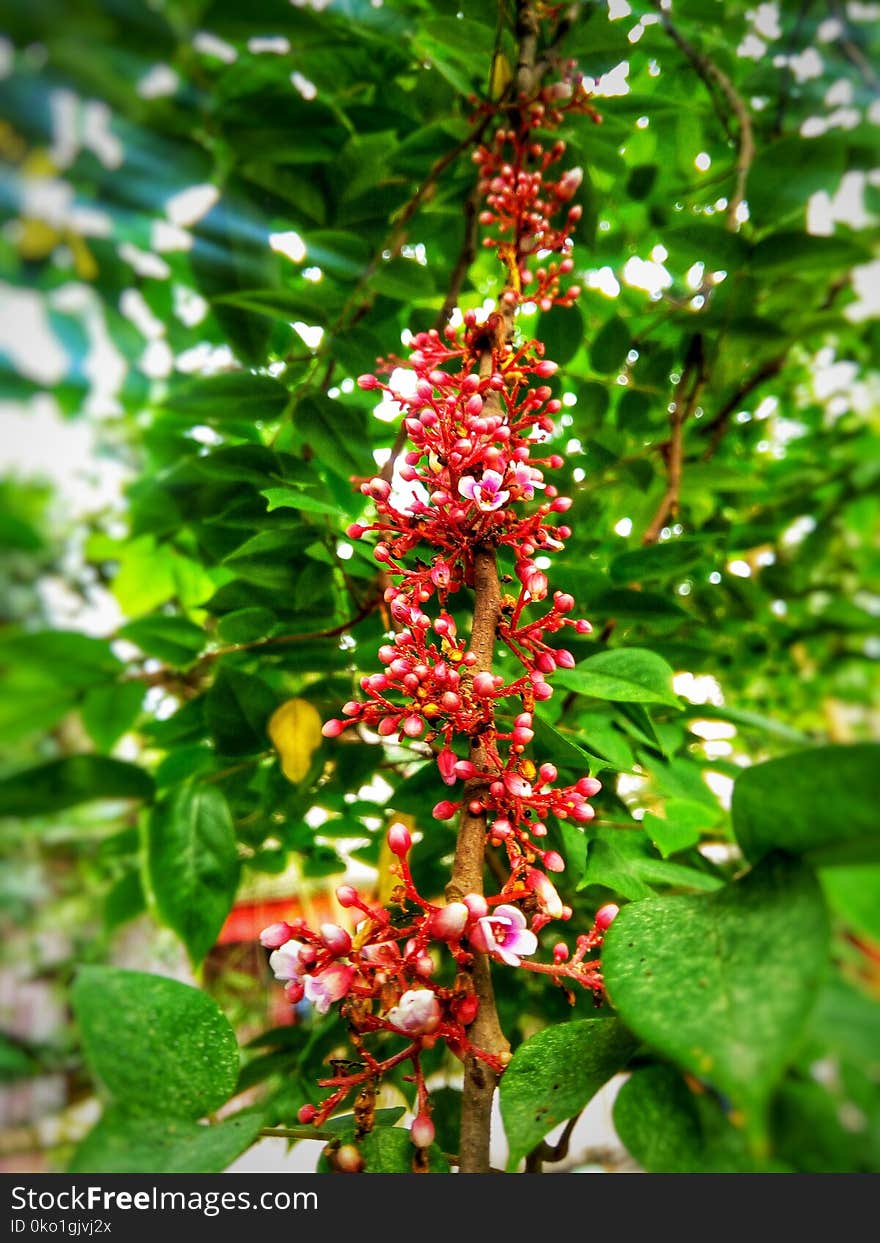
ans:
(417, 1013)
(287, 961)
(504, 933)
(486, 493)
(527, 478)
(328, 985)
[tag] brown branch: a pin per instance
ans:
(851, 49)
(402, 218)
(551, 1153)
(466, 256)
(718, 426)
(368, 607)
(687, 392)
(713, 76)
(467, 877)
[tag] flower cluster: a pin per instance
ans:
(383, 973)
(474, 487)
(521, 201)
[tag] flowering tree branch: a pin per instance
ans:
(475, 416)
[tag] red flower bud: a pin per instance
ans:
(399, 840)
(606, 915)
(484, 685)
(422, 1131)
(347, 896)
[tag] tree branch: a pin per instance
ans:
(466, 256)
(467, 877)
(687, 392)
(713, 76)
(718, 426)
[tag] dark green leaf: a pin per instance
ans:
(237, 708)
(821, 802)
(554, 1074)
(65, 783)
(609, 348)
(108, 711)
(176, 640)
(127, 1141)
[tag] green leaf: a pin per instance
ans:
(231, 253)
(405, 280)
(237, 709)
(155, 1044)
(336, 432)
(671, 1129)
(108, 711)
(127, 1141)
(176, 640)
(553, 1075)
(16, 1062)
(785, 173)
(66, 783)
(680, 826)
(562, 331)
(853, 893)
(67, 658)
(387, 1149)
(657, 561)
(624, 674)
(125, 900)
(623, 860)
(821, 803)
(601, 738)
(657, 1120)
(245, 625)
(562, 747)
(724, 984)
(295, 498)
(797, 252)
(225, 398)
(192, 864)
(610, 346)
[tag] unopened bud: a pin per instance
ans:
(399, 840)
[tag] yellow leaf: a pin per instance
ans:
(37, 239)
(295, 730)
(502, 76)
(83, 259)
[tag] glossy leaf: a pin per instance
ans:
(627, 675)
(723, 984)
(553, 1075)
